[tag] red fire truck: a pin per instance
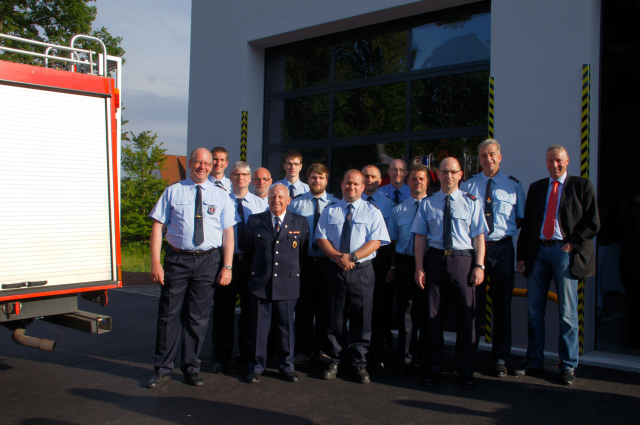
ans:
(59, 188)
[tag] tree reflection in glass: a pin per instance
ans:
(308, 67)
(382, 54)
(299, 119)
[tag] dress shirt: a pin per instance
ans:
(298, 187)
(557, 233)
(305, 206)
(383, 203)
(251, 204)
(226, 183)
(390, 191)
(401, 222)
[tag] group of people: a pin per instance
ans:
(317, 276)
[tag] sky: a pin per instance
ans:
(156, 36)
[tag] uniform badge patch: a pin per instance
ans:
(294, 245)
(211, 210)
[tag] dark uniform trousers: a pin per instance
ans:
(312, 305)
(184, 310)
(499, 262)
(381, 337)
(410, 299)
(224, 312)
(448, 279)
(280, 314)
(349, 297)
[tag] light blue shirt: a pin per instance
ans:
(176, 209)
(467, 220)
(390, 191)
(226, 183)
(508, 202)
(367, 225)
(305, 206)
(251, 204)
(298, 187)
(557, 233)
(400, 224)
(383, 203)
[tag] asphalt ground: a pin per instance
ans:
(101, 379)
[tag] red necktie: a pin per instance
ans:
(550, 219)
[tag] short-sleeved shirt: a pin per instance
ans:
(400, 224)
(467, 219)
(251, 204)
(305, 206)
(382, 202)
(390, 191)
(176, 209)
(508, 202)
(367, 225)
(224, 182)
(298, 187)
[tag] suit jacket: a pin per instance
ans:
(275, 261)
(578, 218)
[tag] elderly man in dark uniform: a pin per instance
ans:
(199, 219)
(450, 228)
(556, 242)
(273, 242)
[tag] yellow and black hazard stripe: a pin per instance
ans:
(243, 136)
(491, 104)
(584, 172)
(487, 326)
(487, 322)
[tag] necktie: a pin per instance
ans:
(316, 218)
(396, 198)
(413, 235)
(198, 221)
(277, 226)
(345, 238)
(290, 191)
(550, 219)
(447, 234)
(488, 205)
(370, 199)
(240, 224)
(219, 184)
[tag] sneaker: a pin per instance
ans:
(567, 377)
(330, 372)
(360, 375)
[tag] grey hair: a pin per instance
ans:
(193, 154)
(286, 189)
(240, 165)
(489, 142)
(556, 148)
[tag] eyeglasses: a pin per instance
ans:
(199, 163)
(452, 172)
(264, 179)
(241, 174)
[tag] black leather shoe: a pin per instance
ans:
(218, 368)
(360, 375)
(529, 371)
(193, 379)
(567, 377)
(253, 378)
(500, 370)
(330, 372)
(157, 380)
(290, 376)
(429, 379)
(467, 381)
(300, 358)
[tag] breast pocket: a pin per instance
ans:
(405, 223)
(184, 208)
(259, 241)
(211, 210)
(293, 241)
(434, 219)
(461, 215)
(505, 203)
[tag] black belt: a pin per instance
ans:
(550, 242)
(448, 252)
(498, 242)
(314, 259)
(239, 256)
(193, 253)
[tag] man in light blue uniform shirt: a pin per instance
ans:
(220, 162)
(224, 304)
(349, 232)
(381, 338)
(504, 201)
(396, 190)
(292, 167)
(199, 219)
(311, 307)
(403, 266)
(452, 223)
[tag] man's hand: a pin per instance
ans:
(477, 276)
(520, 267)
(224, 277)
(420, 278)
(344, 262)
(391, 275)
(157, 273)
(567, 247)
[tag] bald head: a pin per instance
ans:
(397, 172)
(449, 174)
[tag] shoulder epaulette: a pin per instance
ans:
(372, 204)
(514, 179)
(390, 198)
(220, 186)
(297, 196)
(470, 196)
(172, 184)
(333, 203)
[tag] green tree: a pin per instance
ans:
(51, 21)
(140, 188)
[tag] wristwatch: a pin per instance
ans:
(480, 266)
(228, 267)
(354, 257)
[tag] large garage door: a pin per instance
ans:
(54, 188)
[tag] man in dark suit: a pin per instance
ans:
(273, 241)
(560, 221)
